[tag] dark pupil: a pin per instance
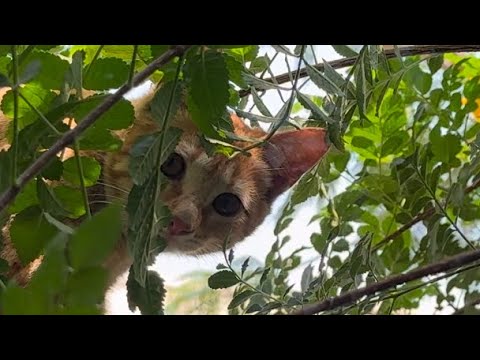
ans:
(174, 166)
(227, 204)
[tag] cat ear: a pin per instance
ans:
(290, 154)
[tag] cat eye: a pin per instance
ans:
(173, 167)
(227, 204)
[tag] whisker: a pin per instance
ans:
(113, 187)
(108, 196)
(106, 202)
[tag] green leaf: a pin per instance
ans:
(344, 50)
(105, 74)
(36, 95)
(27, 197)
(255, 117)
(341, 245)
(308, 104)
(48, 200)
(86, 287)
(435, 63)
(95, 239)
(54, 170)
(245, 265)
(99, 139)
(260, 64)
(323, 82)
(20, 301)
(144, 153)
(222, 280)
(91, 171)
(71, 200)
(257, 100)
(52, 69)
(207, 78)
(160, 102)
(445, 148)
(244, 54)
(30, 232)
(240, 298)
(283, 49)
(120, 116)
(148, 299)
(230, 256)
(235, 70)
(260, 84)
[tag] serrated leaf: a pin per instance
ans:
(52, 69)
(95, 238)
(30, 71)
(255, 117)
(222, 280)
(36, 95)
(26, 198)
(240, 298)
(144, 153)
(308, 104)
(341, 245)
(159, 105)
(148, 299)
(235, 70)
(30, 232)
(105, 74)
(283, 49)
(244, 54)
(323, 82)
(119, 116)
(208, 91)
(344, 50)
(91, 171)
(259, 64)
(260, 104)
(260, 84)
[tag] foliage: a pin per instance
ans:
(404, 134)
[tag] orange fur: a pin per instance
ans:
(256, 179)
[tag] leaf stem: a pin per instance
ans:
(78, 161)
(40, 115)
(132, 65)
(95, 57)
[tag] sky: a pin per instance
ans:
(173, 267)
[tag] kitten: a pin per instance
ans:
(209, 197)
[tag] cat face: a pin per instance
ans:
(215, 198)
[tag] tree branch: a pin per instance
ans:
(422, 216)
(354, 295)
(404, 51)
(70, 136)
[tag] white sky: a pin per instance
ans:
(173, 267)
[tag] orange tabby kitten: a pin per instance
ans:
(209, 197)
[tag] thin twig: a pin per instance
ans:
(69, 136)
(132, 65)
(422, 216)
(354, 295)
(15, 113)
(404, 51)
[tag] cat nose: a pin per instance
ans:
(178, 227)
